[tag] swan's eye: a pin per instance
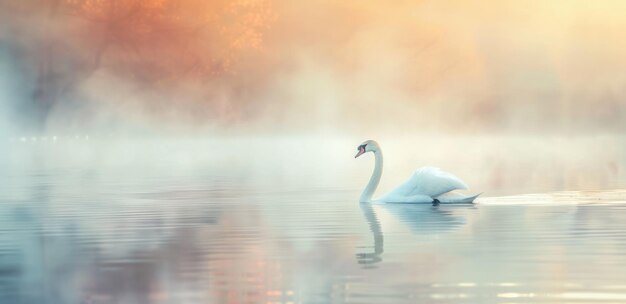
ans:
(361, 147)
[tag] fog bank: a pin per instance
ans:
(277, 66)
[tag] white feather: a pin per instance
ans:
(424, 186)
(428, 182)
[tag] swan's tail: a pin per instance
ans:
(458, 199)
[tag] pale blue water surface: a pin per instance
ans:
(130, 225)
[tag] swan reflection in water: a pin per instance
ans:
(371, 258)
(421, 219)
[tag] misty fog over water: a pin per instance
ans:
(495, 165)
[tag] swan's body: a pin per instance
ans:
(426, 185)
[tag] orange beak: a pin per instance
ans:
(361, 151)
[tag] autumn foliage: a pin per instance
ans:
(155, 44)
(167, 38)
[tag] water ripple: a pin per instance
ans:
(82, 237)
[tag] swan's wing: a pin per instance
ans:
(427, 181)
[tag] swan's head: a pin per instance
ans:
(367, 146)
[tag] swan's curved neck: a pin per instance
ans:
(366, 196)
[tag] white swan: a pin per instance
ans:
(426, 185)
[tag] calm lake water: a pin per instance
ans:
(129, 225)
